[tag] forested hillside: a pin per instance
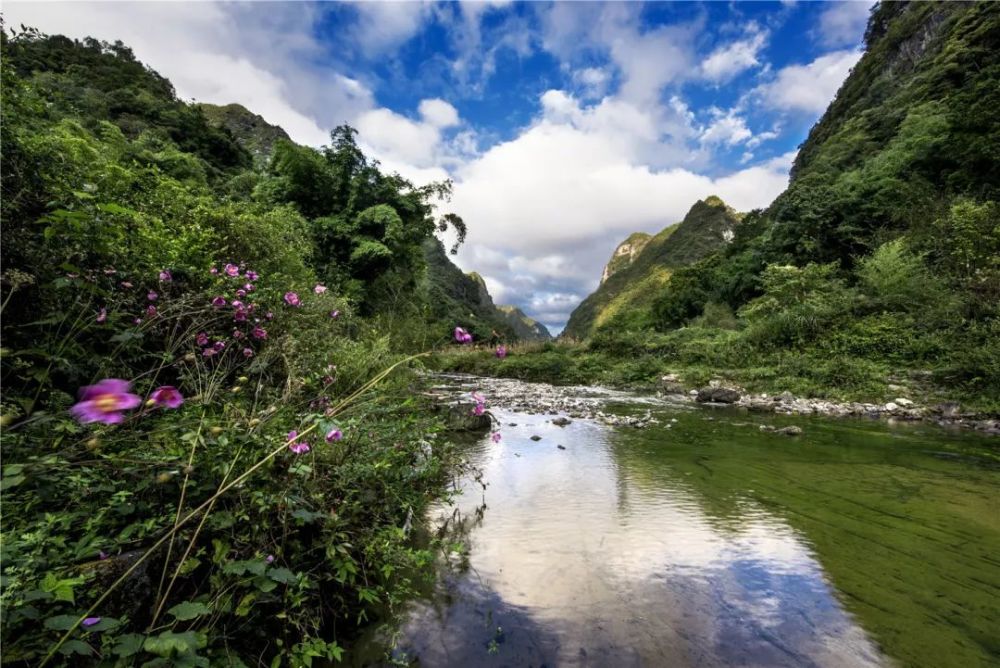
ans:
(876, 271)
(633, 277)
(194, 326)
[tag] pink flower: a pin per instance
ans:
(231, 270)
(105, 402)
(268, 316)
(334, 435)
(270, 559)
(501, 351)
(208, 352)
(241, 293)
(298, 448)
(213, 271)
(240, 316)
(137, 321)
(126, 284)
(150, 311)
(90, 621)
(102, 555)
(237, 304)
(152, 296)
(479, 409)
(218, 302)
(167, 396)
(334, 314)
(292, 299)
(319, 289)
(259, 333)
(462, 336)
(237, 334)
(102, 315)
(251, 275)
(202, 339)
(219, 346)
(327, 380)
(166, 276)
(249, 287)
(248, 352)
(495, 437)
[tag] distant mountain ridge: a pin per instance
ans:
(641, 265)
(524, 327)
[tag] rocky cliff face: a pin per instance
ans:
(625, 253)
(250, 130)
(633, 277)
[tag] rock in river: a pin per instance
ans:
(718, 395)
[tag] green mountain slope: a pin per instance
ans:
(631, 280)
(524, 327)
(252, 131)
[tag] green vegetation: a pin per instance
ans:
(881, 258)
(524, 328)
(173, 517)
(634, 278)
(250, 130)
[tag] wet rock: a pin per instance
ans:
(790, 430)
(890, 407)
(947, 409)
(718, 395)
(561, 447)
(561, 421)
(460, 417)
(536, 437)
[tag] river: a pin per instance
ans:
(701, 540)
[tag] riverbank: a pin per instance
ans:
(879, 394)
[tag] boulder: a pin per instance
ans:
(461, 417)
(718, 395)
(536, 437)
(561, 421)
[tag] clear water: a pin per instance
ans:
(703, 541)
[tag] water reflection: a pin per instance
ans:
(598, 555)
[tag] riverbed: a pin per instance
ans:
(606, 529)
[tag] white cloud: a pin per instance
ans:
(809, 88)
(593, 81)
(729, 60)
(438, 113)
(384, 26)
(843, 23)
(727, 128)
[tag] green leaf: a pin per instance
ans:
(169, 642)
(282, 575)
(129, 644)
(75, 647)
(11, 481)
(189, 610)
(61, 622)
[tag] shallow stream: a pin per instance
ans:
(701, 540)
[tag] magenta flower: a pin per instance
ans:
(270, 559)
(479, 409)
(237, 334)
(298, 448)
(292, 299)
(259, 333)
(152, 296)
(501, 351)
(231, 270)
(102, 315)
(327, 380)
(319, 289)
(102, 555)
(241, 293)
(150, 311)
(166, 276)
(202, 339)
(137, 321)
(237, 304)
(495, 437)
(251, 275)
(167, 396)
(218, 346)
(218, 302)
(334, 435)
(208, 352)
(334, 314)
(249, 287)
(213, 271)
(462, 336)
(240, 316)
(105, 402)
(248, 352)
(90, 621)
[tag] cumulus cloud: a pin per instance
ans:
(730, 59)
(438, 113)
(810, 87)
(382, 26)
(727, 128)
(843, 23)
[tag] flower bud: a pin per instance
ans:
(216, 430)
(93, 443)
(242, 379)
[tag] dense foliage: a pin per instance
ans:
(173, 517)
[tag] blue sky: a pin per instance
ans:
(564, 126)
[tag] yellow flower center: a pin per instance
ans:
(106, 403)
